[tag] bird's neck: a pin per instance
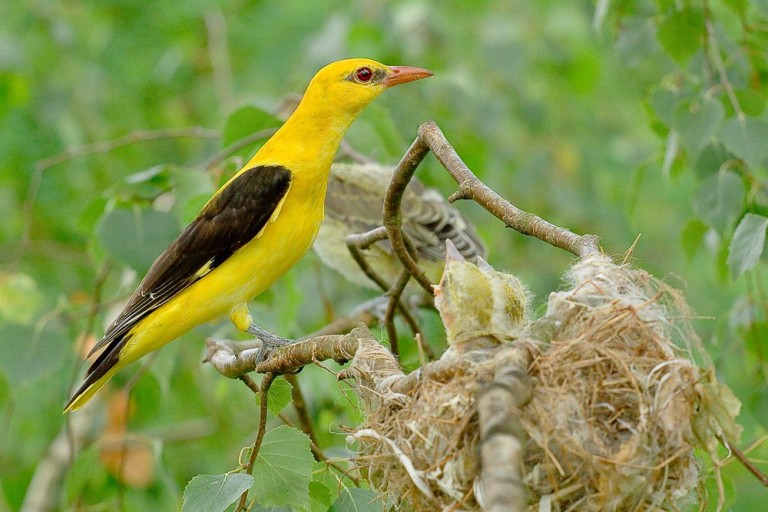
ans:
(307, 142)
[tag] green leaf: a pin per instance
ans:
(709, 160)
(751, 102)
(278, 396)
(20, 298)
(319, 496)
(680, 34)
(246, 121)
(136, 237)
(696, 121)
(747, 243)
(720, 200)
(739, 6)
(4, 391)
(283, 469)
(357, 500)
(86, 476)
(761, 5)
(214, 493)
(27, 352)
(747, 139)
(692, 236)
(662, 103)
(192, 189)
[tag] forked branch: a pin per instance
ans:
(430, 137)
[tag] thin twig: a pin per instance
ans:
(132, 138)
(346, 150)
(237, 146)
(88, 149)
(250, 383)
(744, 460)
(719, 64)
(393, 199)
(218, 54)
(356, 243)
(300, 405)
(395, 292)
(266, 382)
(470, 187)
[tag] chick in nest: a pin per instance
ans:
(479, 306)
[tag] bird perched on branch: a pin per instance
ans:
(253, 229)
(354, 204)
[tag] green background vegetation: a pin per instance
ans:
(620, 118)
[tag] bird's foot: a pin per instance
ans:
(269, 341)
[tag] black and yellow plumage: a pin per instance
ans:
(253, 229)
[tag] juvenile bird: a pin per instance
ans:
(354, 204)
(252, 230)
(479, 306)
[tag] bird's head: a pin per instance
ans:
(349, 85)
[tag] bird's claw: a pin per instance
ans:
(269, 342)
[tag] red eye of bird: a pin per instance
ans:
(364, 74)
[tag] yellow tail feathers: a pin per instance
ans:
(85, 393)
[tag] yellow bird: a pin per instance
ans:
(252, 230)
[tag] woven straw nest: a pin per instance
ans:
(617, 406)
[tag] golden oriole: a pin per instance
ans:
(354, 204)
(251, 231)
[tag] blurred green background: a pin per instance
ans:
(624, 119)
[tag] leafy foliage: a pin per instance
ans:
(283, 469)
(214, 493)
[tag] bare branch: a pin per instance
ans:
(237, 146)
(232, 361)
(393, 219)
(742, 457)
(470, 187)
(502, 437)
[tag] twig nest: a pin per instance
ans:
(618, 406)
(612, 424)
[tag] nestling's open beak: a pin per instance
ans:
(404, 74)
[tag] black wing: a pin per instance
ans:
(229, 221)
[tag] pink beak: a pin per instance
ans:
(405, 74)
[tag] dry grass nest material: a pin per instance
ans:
(618, 406)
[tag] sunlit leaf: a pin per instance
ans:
(746, 138)
(681, 33)
(283, 469)
(214, 493)
(747, 243)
